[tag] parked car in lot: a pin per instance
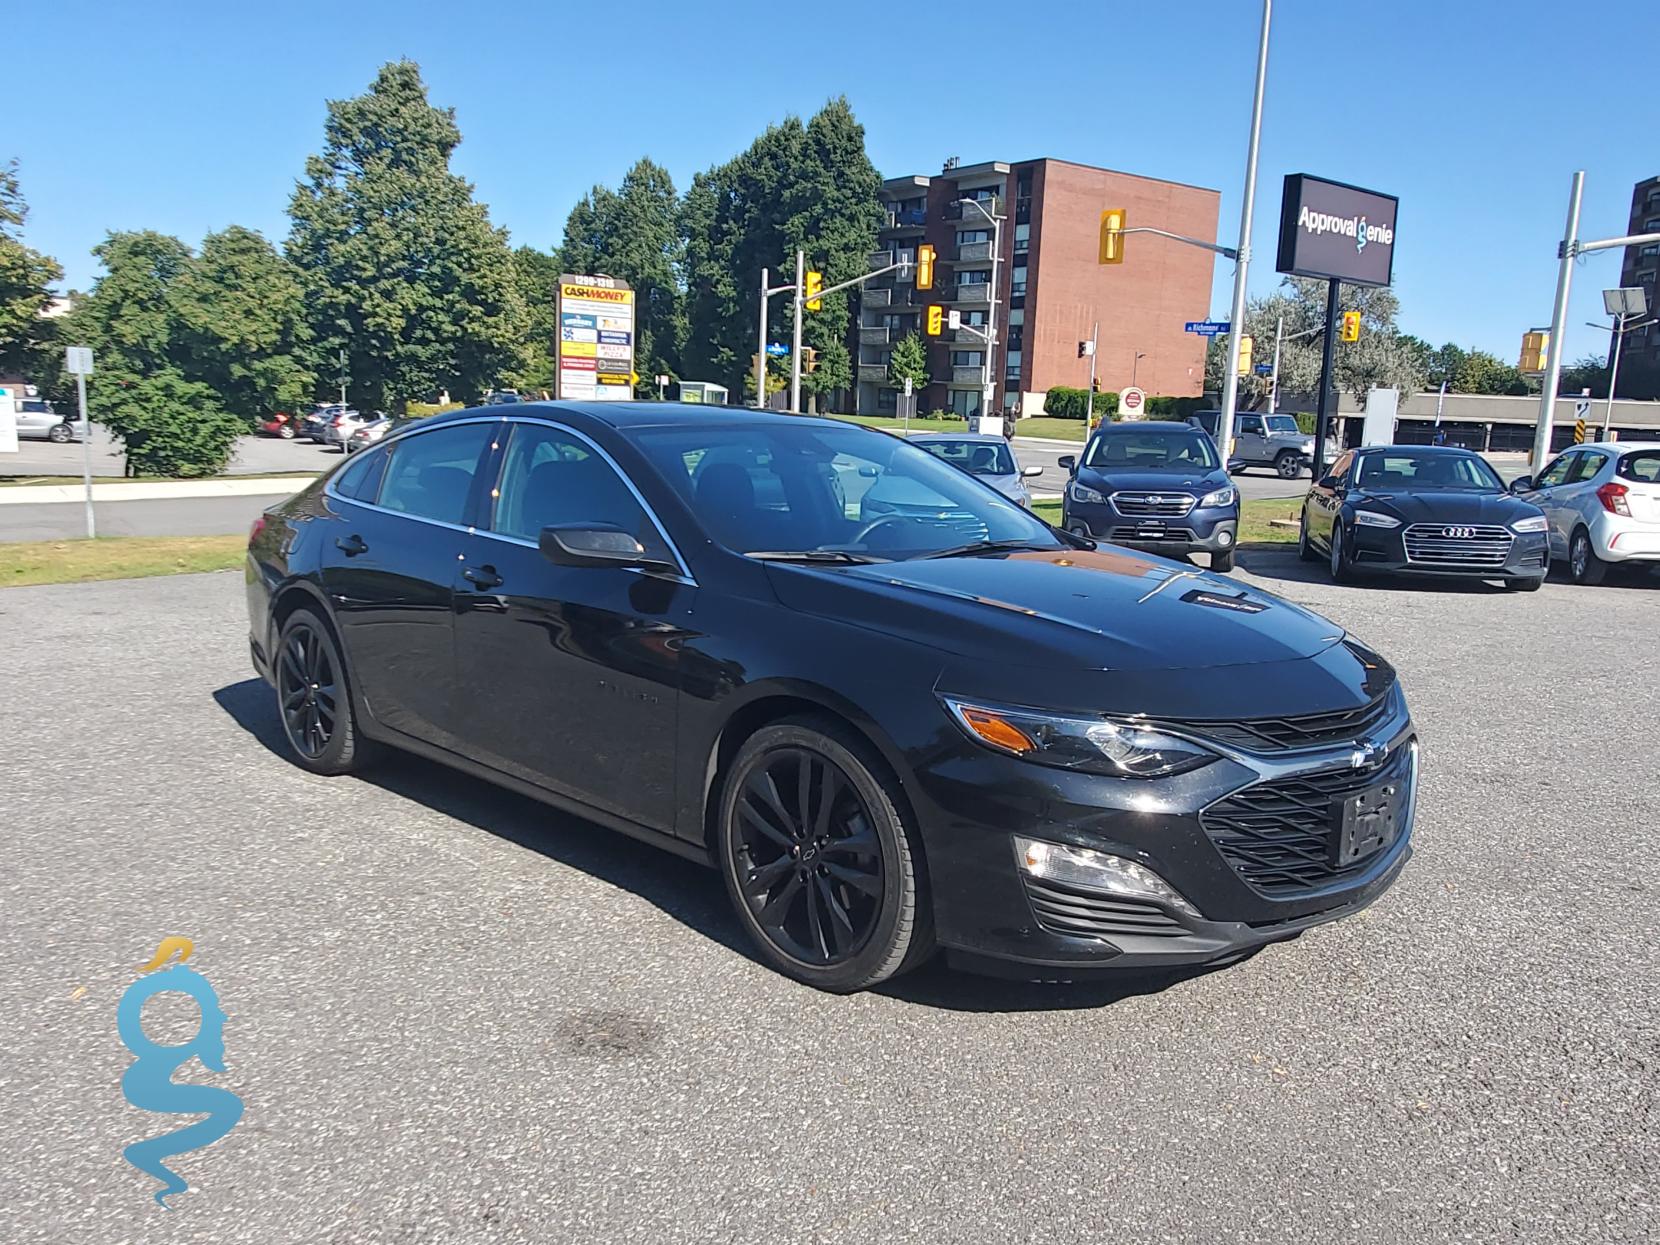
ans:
(338, 427)
(1602, 504)
(1155, 486)
(367, 434)
(1264, 441)
(37, 420)
(889, 732)
(1422, 510)
(280, 424)
(315, 421)
(985, 456)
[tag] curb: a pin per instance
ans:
(155, 490)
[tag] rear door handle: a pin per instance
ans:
(351, 545)
(483, 576)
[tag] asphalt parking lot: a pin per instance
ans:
(457, 1016)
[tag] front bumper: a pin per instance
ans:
(994, 916)
(1383, 550)
(1212, 530)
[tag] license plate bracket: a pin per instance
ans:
(1365, 823)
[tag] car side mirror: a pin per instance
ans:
(869, 472)
(1069, 461)
(576, 544)
(1032, 471)
(1521, 484)
(1330, 482)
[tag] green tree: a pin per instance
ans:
(1480, 372)
(241, 324)
(129, 318)
(1587, 372)
(634, 234)
(538, 277)
(25, 276)
(167, 425)
(909, 361)
(404, 270)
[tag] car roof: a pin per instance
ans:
(986, 437)
(622, 415)
(1616, 447)
(1431, 450)
(1147, 425)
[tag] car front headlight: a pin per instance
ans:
(1533, 523)
(1083, 493)
(1372, 518)
(1221, 497)
(1123, 749)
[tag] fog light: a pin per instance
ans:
(1091, 870)
(1224, 538)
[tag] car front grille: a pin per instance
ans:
(1457, 544)
(1081, 914)
(1314, 730)
(1160, 504)
(1277, 835)
(1151, 536)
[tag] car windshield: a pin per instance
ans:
(1283, 423)
(1165, 449)
(978, 458)
(835, 491)
(1411, 472)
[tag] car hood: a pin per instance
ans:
(1102, 609)
(1446, 507)
(1107, 480)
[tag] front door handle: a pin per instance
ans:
(351, 545)
(483, 576)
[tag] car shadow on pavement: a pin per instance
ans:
(1278, 561)
(680, 888)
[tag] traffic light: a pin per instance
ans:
(1351, 327)
(925, 267)
(1535, 351)
(1112, 236)
(815, 283)
(809, 359)
(1245, 344)
(936, 319)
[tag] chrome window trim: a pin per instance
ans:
(683, 575)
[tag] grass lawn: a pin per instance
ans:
(1253, 519)
(917, 425)
(1034, 426)
(1047, 426)
(19, 481)
(116, 557)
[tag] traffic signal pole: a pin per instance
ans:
(1328, 357)
(761, 348)
(795, 345)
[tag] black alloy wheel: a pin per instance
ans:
(1341, 571)
(1305, 551)
(312, 697)
(1287, 465)
(818, 860)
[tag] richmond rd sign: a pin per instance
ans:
(1335, 231)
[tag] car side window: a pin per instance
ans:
(1251, 425)
(1340, 470)
(1587, 467)
(431, 474)
(1557, 472)
(550, 476)
(361, 479)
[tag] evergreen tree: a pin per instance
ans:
(403, 269)
(25, 276)
(538, 278)
(909, 362)
(129, 317)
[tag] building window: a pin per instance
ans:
(887, 399)
(974, 276)
(982, 194)
(975, 319)
(1022, 238)
(1017, 301)
(965, 402)
(967, 237)
(1023, 184)
(967, 358)
(1651, 225)
(1017, 279)
(1016, 334)
(1011, 365)
(1653, 248)
(1017, 317)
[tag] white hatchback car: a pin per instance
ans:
(1602, 501)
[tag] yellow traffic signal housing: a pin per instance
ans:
(1535, 351)
(936, 319)
(1351, 327)
(809, 359)
(1245, 345)
(1112, 236)
(925, 267)
(815, 283)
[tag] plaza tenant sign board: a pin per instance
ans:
(1335, 231)
(595, 349)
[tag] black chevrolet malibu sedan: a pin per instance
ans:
(891, 731)
(1423, 510)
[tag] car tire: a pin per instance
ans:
(1222, 561)
(286, 432)
(60, 434)
(1305, 551)
(321, 729)
(1288, 465)
(839, 898)
(1532, 584)
(1342, 570)
(1584, 567)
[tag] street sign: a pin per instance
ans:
(777, 350)
(78, 360)
(8, 418)
(907, 386)
(1336, 231)
(954, 319)
(1133, 402)
(1265, 369)
(1209, 328)
(1582, 412)
(596, 339)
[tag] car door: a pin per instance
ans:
(390, 560)
(1325, 501)
(570, 675)
(1545, 494)
(34, 420)
(1577, 495)
(1251, 443)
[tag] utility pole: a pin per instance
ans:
(1230, 378)
(1274, 383)
(1558, 326)
(1135, 365)
(86, 454)
(1613, 374)
(795, 346)
(988, 385)
(343, 378)
(1328, 357)
(761, 348)
(1089, 400)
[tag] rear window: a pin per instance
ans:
(979, 458)
(1644, 466)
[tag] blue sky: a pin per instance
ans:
(186, 117)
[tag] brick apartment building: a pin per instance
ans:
(1640, 355)
(1050, 288)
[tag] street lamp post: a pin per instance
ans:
(1135, 366)
(988, 385)
(1624, 304)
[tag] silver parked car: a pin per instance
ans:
(984, 455)
(37, 421)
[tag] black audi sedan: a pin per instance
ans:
(891, 731)
(1423, 510)
(1155, 486)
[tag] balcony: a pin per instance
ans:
(968, 375)
(871, 297)
(875, 372)
(874, 336)
(909, 218)
(958, 211)
(967, 336)
(979, 292)
(971, 252)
